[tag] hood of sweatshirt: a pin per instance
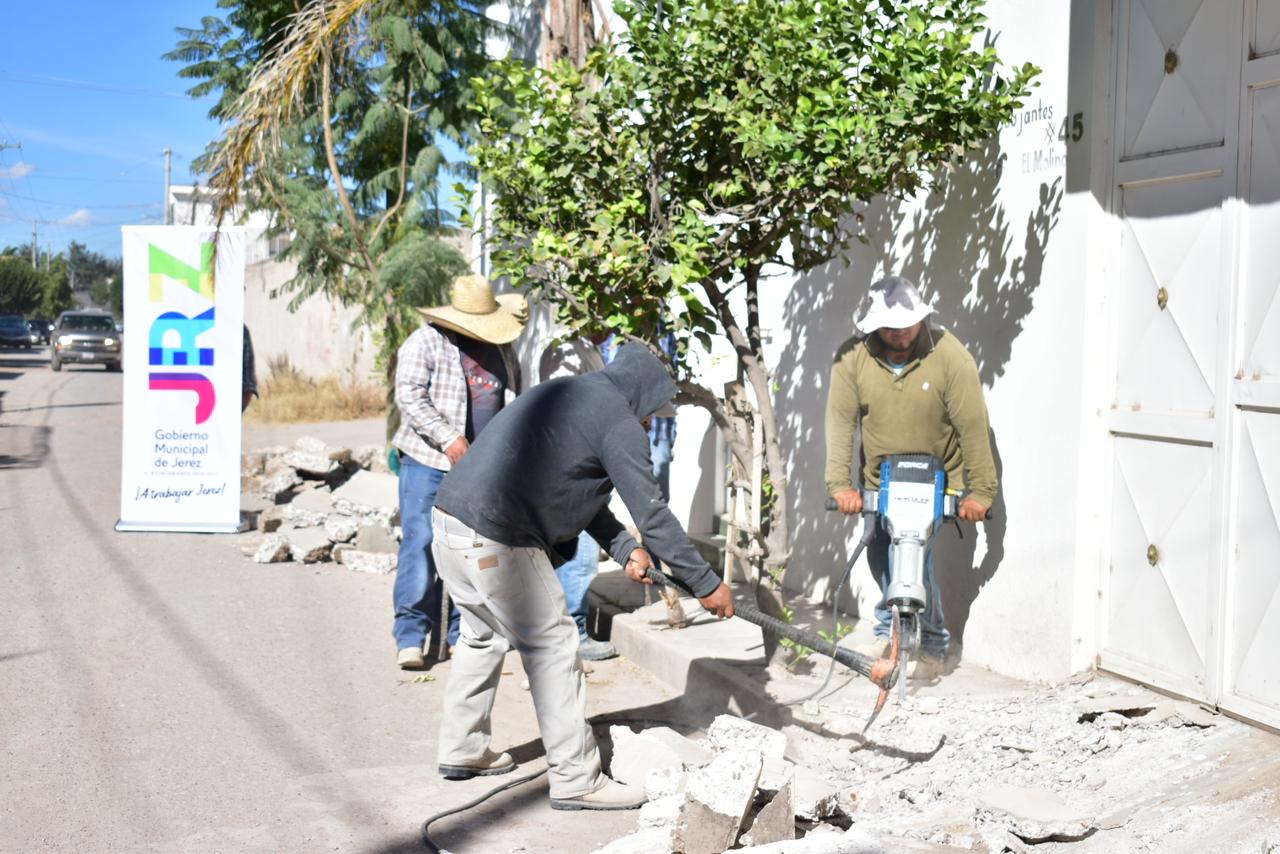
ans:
(641, 378)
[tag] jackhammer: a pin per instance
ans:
(912, 503)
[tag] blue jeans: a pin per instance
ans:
(417, 590)
(576, 576)
(934, 637)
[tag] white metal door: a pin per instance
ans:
(1251, 675)
(1177, 131)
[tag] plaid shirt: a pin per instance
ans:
(431, 392)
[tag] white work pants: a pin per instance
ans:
(511, 595)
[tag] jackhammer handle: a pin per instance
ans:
(878, 671)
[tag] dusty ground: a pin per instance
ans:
(977, 761)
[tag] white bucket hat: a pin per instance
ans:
(892, 303)
(474, 311)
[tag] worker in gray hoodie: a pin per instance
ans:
(541, 472)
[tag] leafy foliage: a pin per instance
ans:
(339, 114)
(718, 139)
(21, 287)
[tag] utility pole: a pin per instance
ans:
(33, 246)
(4, 145)
(168, 212)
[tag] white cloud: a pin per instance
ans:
(81, 217)
(16, 171)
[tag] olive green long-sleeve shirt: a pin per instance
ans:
(935, 406)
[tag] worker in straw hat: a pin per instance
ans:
(453, 375)
(910, 387)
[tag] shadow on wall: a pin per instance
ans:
(959, 246)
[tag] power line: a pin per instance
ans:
(68, 83)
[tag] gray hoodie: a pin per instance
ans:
(544, 467)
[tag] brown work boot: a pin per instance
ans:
(611, 796)
(489, 765)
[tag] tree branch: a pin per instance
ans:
(344, 200)
(404, 165)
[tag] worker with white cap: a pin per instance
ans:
(911, 387)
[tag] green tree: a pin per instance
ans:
(338, 118)
(717, 141)
(21, 287)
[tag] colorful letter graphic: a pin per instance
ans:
(188, 353)
(188, 329)
(205, 397)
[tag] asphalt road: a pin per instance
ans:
(160, 692)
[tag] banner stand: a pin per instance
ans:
(183, 351)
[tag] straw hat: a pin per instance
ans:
(892, 303)
(474, 311)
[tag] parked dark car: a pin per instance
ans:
(14, 331)
(44, 327)
(86, 337)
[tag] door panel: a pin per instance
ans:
(1170, 292)
(1266, 28)
(1260, 303)
(1175, 76)
(1252, 669)
(1162, 541)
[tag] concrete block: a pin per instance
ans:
(308, 508)
(274, 549)
(309, 445)
(253, 463)
(776, 821)
(307, 545)
(728, 732)
(366, 456)
(341, 528)
(816, 799)
(775, 772)
(376, 538)
(377, 564)
(368, 493)
(269, 520)
(716, 803)
(654, 840)
(310, 465)
(276, 485)
(635, 754)
(664, 782)
(662, 812)
(691, 753)
(340, 455)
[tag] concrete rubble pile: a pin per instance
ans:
(325, 504)
(735, 789)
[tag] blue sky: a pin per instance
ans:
(84, 90)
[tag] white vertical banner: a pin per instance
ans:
(183, 351)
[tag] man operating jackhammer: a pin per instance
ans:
(910, 387)
(542, 471)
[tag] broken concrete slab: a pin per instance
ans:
(274, 549)
(815, 798)
(1129, 705)
(368, 493)
(310, 445)
(277, 485)
(365, 456)
(310, 464)
(691, 753)
(662, 812)
(653, 840)
(775, 821)
(307, 545)
(1178, 713)
(371, 562)
(376, 538)
(636, 754)
(269, 520)
(253, 463)
(852, 841)
(341, 528)
(717, 799)
(729, 733)
(1038, 815)
(339, 455)
(664, 782)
